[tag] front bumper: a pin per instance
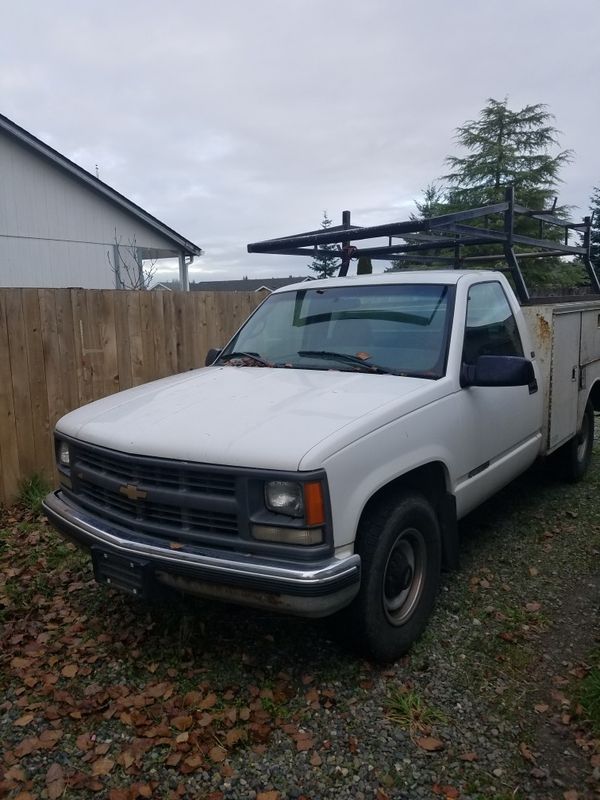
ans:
(311, 590)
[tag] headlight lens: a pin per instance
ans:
(285, 497)
(302, 536)
(64, 455)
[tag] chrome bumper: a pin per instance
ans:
(312, 590)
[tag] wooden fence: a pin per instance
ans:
(61, 348)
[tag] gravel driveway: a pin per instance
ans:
(102, 697)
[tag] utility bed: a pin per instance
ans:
(566, 338)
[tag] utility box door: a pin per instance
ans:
(564, 383)
(590, 336)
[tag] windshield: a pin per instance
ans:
(397, 328)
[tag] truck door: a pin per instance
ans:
(506, 418)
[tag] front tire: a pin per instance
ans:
(399, 543)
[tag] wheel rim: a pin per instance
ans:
(583, 438)
(404, 576)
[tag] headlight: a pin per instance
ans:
(285, 497)
(64, 455)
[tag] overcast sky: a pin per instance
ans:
(240, 120)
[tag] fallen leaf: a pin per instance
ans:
(102, 767)
(175, 545)
(272, 795)
(55, 781)
(24, 720)
(118, 794)
(191, 763)
(182, 723)
(209, 701)
(470, 756)
(316, 759)
(304, 742)
(532, 607)
(20, 663)
(192, 699)
(533, 571)
(526, 752)
(217, 754)
(541, 708)
(69, 670)
(49, 737)
(233, 736)
(571, 794)
(125, 759)
(430, 743)
(448, 792)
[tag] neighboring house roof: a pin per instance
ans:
(247, 284)
(161, 286)
(107, 192)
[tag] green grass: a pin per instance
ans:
(32, 491)
(589, 695)
(408, 709)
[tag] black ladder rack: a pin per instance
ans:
(448, 231)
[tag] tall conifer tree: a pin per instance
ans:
(324, 265)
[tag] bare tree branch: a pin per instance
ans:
(128, 266)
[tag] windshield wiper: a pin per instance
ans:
(240, 354)
(356, 361)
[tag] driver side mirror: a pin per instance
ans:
(212, 356)
(498, 371)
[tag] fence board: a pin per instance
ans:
(60, 348)
(9, 449)
(40, 422)
(17, 348)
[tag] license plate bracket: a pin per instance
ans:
(131, 575)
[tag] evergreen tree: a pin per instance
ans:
(595, 211)
(324, 265)
(433, 204)
(503, 147)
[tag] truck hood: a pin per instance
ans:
(245, 416)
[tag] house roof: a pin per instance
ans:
(95, 184)
(246, 284)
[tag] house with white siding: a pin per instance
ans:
(61, 226)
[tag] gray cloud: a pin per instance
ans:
(239, 121)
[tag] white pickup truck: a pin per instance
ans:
(321, 462)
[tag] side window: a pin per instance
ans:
(491, 327)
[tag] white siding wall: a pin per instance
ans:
(54, 230)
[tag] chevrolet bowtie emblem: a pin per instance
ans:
(132, 492)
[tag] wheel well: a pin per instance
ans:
(429, 480)
(595, 396)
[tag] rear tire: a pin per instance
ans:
(573, 458)
(399, 543)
